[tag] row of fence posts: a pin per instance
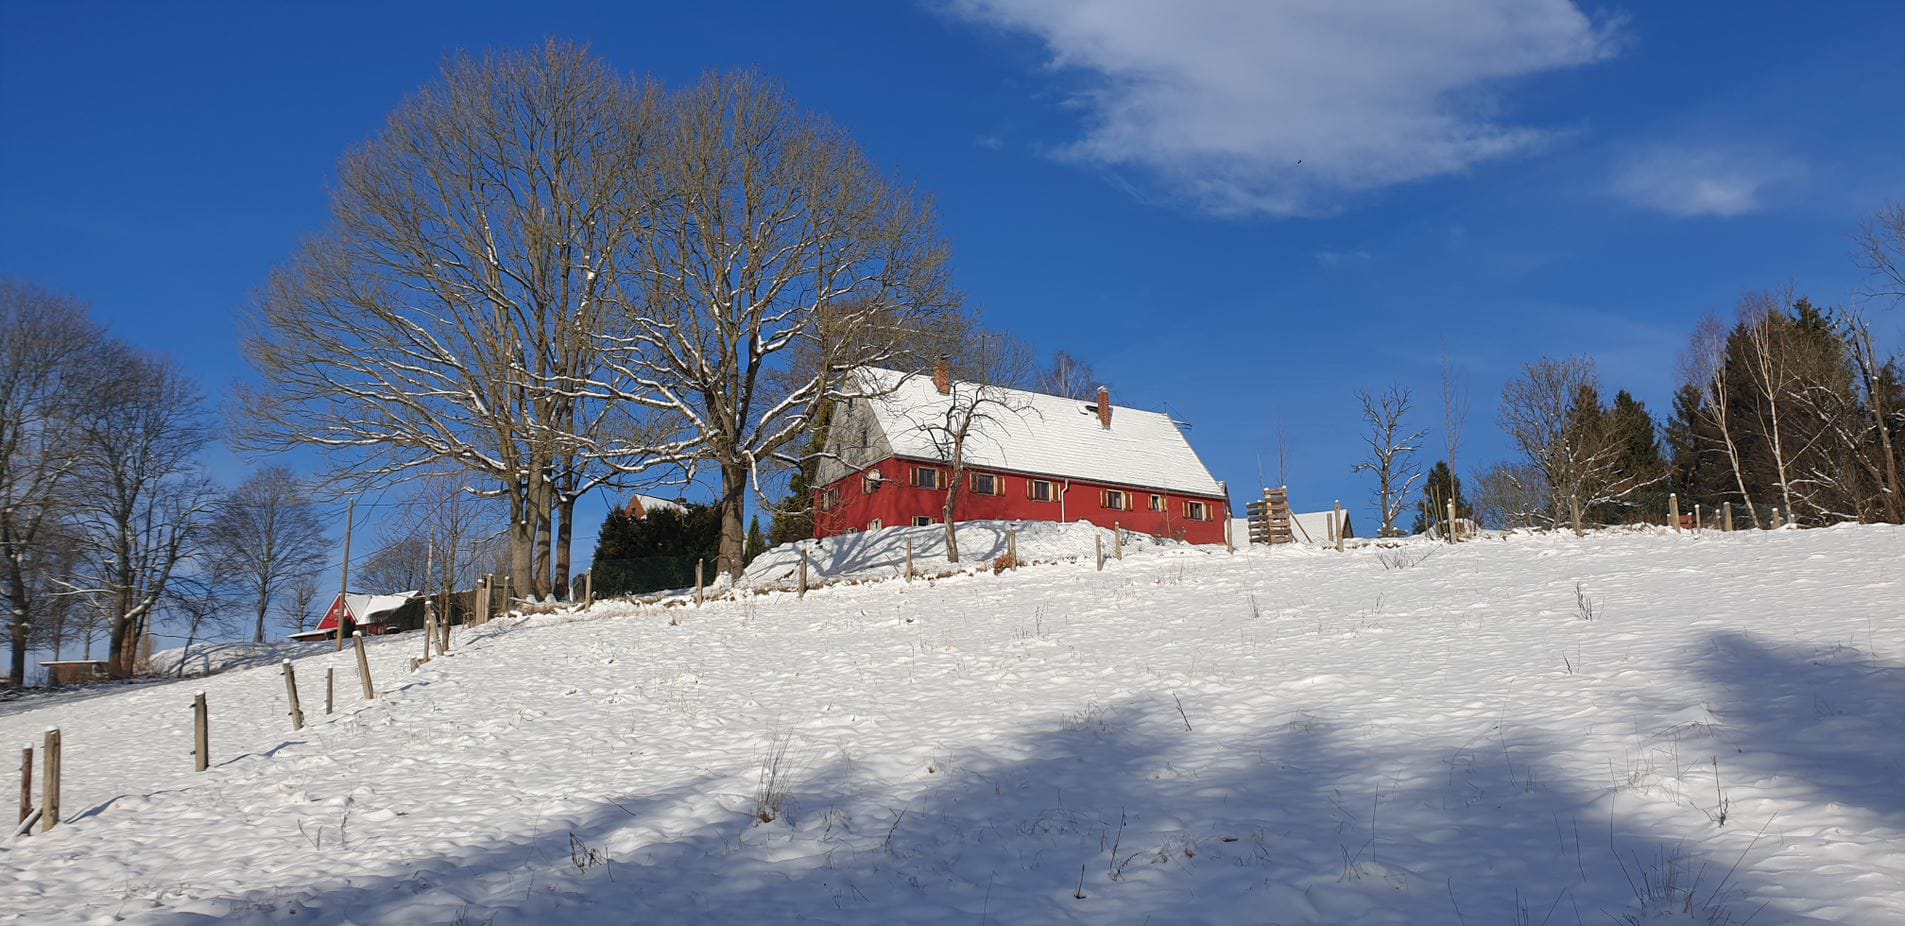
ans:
(1699, 515)
(47, 814)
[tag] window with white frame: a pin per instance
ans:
(1039, 490)
(870, 483)
(987, 484)
(1157, 503)
(830, 498)
(926, 477)
(922, 521)
(1197, 511)
(1115, 500)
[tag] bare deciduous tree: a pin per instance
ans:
(1392, 448)
(1879, 249)
(1070, 377)
(767, 221)
(972, 414)
(46, 347)
(296, 604)
(265, 537)
(144, 498)
(1704, 367)
(448, 321)
(1552, 413)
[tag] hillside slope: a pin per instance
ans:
(1410, 735)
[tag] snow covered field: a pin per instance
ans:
(1410, 735)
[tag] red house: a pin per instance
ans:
(373, 614)
(1026, 456)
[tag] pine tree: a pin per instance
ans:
(756, 541)
(1432, 510)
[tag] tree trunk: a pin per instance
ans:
(264, 605)
(565, 536)
(522, 540)
(733, 531)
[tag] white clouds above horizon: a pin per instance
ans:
(1291, 108)
(1702, 180)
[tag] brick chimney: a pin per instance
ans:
(942, 376)
(1104, 407)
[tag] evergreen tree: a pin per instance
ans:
(656, 551)
(756, 541)
(1432, 509)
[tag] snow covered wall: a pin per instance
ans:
(1631, 728)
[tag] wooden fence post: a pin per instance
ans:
(1726, 517)
(803, 573)
(1673, 510)
(1012, 547)
(1454, 534)
(1779, 520)
(443, 630)
(588, 589)
(909, 559)
(482, 600)
(1098, 549)
(330, 689)
(1336, 526)
(363, 665)
(26, 783)
(699, 563)
(201, 733)
(1230, 543)
(1117, 540)
(50, 781)
(1699, 517)
(429, 631)
(291, 694)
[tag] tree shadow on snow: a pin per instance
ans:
(1130, 811)
(1831, 715)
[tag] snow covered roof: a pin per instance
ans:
(364, 609)
(1047, 435)
(640, 505)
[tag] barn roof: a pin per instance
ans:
(1042, 434)
(640, 505)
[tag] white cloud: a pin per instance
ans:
(1690, 180)
(1287, 108)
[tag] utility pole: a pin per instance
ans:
(344, 582)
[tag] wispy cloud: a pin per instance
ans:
(990, 142)
(1341, 258)
(1695, 180)
(1291, 107)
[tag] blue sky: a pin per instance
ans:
(1246, 212)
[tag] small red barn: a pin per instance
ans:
(1027, 456)
(373, 614)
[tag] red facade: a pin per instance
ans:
(898, 498)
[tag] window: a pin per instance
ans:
(1115, 500)
(1038, 490)
(987, 484)
(830, 498)
(922, 521)
(870, 483)
(1157, 503)
(926, 477)
(875, 524)
(1197, 511)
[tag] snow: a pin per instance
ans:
(213, 658)
(881, 554)
(1047, 436)
(1402, 733)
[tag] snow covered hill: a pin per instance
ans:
(1635, 727)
